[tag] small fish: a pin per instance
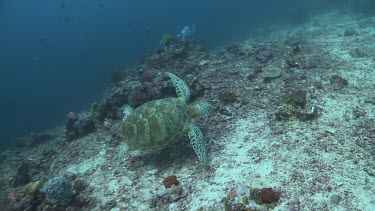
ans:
(66, 19)
(43, 38)
(147, 30)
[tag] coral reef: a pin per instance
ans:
(269, 73)
(295, 106)
(294, 130)
(58, 191)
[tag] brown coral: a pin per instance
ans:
(268, 195)
(265, 195)
(171, 180)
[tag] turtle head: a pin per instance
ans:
(200, 109)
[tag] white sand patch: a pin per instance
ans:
(88, 164)
(236, 165)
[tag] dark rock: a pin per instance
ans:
(292, 62)
(228, 97)
(39, 138)
(296, 49)
(264, 55)
(117, 76)
(22, 176)
(297, 98)
(338, 82)
(350, 32)
(77, 127)
(148, 75)
(336, 199)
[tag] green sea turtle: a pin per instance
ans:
(154, 125)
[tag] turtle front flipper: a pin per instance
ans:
(198, 143)
(182, 89)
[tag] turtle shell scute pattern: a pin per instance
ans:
(155, 124)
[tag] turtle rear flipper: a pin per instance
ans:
(198, 143)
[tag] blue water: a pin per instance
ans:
(56, 56)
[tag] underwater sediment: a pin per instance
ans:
(292, 129)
